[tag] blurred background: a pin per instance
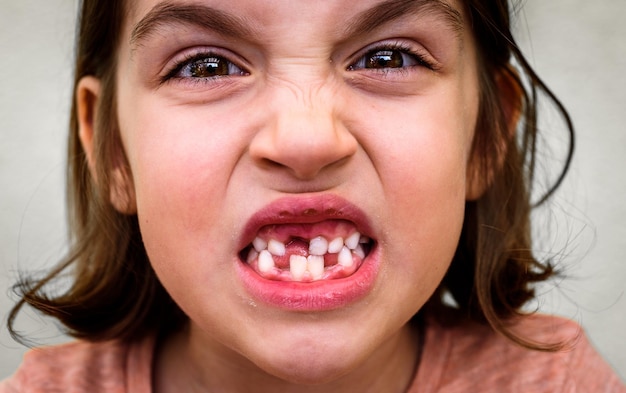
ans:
(577, 46)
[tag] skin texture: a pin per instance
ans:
(301, 121)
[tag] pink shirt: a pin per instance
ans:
(458, 359)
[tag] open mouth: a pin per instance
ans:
(308, 254)
(327, 250)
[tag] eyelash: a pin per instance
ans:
(190, 59)
(402, 49)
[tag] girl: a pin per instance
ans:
(299, 196)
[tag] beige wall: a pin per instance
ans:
(576, 45)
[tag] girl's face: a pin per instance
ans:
(254, 128)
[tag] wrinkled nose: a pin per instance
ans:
(304, 136)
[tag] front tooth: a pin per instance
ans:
(315, 266)
(265, 262)
(318, 246)
(297, 266)
(353, 240)
(335, 245)
(345, 257)
(259, 244)
(276, 248)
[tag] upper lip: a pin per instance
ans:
(305, 209)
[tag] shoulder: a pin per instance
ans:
(472, 357)
(74, 367)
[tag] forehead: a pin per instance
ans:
(253, 18)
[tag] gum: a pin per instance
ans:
(286, 233)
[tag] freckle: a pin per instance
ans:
(284, 213)
(310, 212)
(331, 211)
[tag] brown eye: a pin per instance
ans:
(206, 66)
(209, 67)
(389, 58)
(384, 59)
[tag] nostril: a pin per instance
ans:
(266, 163)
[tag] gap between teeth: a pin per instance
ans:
(313, 264)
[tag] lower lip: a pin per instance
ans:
(315, 296)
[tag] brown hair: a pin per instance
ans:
(115, 293)
(493, 271)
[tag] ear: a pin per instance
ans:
(510, 93)
(87, 94)
(479, 175)
(121, 189)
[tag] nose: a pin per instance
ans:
(303, 136)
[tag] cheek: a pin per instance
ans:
(177, 154)
(182, 164)
(422, 160)
(181, 159)
(421, 153)
(429, 208)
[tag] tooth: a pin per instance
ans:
(335, 245)
(252, 254)
(315, 266)
(297, 266)
(353, 240)
(364, 239)
(265, 262)
(276, 248)
(318, 246)
(259, 244)
(345, 257)
(359, 251)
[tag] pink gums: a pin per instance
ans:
(322, 295)
(329, 229)
(296, 238)
(332, 270)
(304, 217)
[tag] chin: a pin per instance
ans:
(310, 365)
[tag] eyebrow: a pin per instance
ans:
(391, 10)
(230, 25)
(203, 16)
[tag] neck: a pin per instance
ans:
(189, 361)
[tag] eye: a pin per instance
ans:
(388, 59)
(208, 67)
(205, 66)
